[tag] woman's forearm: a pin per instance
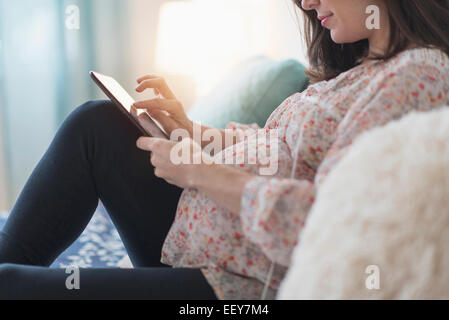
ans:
(225, 143)
(223, 184)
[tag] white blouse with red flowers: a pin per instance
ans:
(235, 250)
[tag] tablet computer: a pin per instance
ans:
(114, 91)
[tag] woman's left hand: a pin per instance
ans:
(166, 163)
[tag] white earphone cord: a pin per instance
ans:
(292, 176)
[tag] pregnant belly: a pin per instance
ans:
(204, 232)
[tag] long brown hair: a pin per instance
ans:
(424, 23)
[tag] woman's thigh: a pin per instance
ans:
(141, 205)
(28, 282)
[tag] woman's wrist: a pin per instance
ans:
(200, 174)
(223, 184)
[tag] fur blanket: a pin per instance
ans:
(379, 228)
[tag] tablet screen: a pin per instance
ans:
(119, 95)
(117, 90)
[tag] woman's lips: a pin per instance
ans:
(325, 19)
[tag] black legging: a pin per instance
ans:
(94, 156)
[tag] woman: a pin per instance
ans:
(233, 231)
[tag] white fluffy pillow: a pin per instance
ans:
(385, 204)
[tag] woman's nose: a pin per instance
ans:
(309, 4)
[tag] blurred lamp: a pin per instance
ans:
(205, 38)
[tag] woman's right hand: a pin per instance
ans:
(167, 110)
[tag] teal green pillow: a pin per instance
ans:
(250, 93)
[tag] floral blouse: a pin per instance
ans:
(235, 250)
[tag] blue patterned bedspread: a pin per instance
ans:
(99, 246)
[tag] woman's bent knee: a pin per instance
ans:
(94, 119)
(101, 117)
(91, 112)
